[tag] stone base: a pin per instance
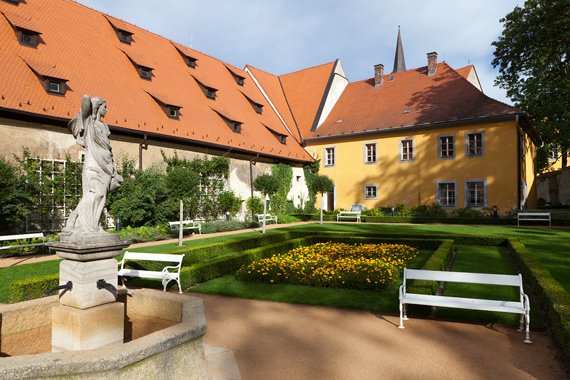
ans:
(88, 247)
(74, 329)
(84, 276)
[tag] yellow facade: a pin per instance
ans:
(416, 182)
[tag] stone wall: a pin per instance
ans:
(554, 187)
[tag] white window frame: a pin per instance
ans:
(466, 193)
(413, 154)
(366, 195)
(438, 193)
(467, 134)
(368, 156)
(330, 163)
(553, 152)
(440, 147)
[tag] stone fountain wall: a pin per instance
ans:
(172, 352)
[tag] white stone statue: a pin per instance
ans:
(99, 172)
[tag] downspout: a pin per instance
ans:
(519, 164)
(142, 145)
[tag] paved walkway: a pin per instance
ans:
(270, 340)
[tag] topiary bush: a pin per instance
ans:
(145, 233)
(32, 288)
(222, 225)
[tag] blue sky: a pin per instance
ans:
(282, 36)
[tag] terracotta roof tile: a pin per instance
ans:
(46, 69)
(410, 99)
(304, 90)
(119, 24)
(82, 46)
(21, 22)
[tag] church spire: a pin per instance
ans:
(399, 61)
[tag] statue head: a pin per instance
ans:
(99, 107)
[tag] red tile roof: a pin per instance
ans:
(411, 98)
(80, 45)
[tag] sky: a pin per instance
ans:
(283, 36)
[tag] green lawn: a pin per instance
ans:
(7, 275)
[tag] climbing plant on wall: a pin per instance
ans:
(311, 173)
(284, 174)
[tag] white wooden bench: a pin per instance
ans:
(167, 274)
(534, 216)
(21, 240)
(521, 307)
(186, 226)
(267, 217)
(348, 215)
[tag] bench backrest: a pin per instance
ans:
(263, 216)
(184, 222)
(357, 208)
(129, 255)
(466, 277)
(547, 214)
(24, 236)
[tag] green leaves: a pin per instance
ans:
(266, 184)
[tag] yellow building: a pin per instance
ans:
(423, 136)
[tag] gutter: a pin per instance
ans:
(415, 128)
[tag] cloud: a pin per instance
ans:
(283, 36)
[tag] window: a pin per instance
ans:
(257, 107)
(282, 139)
(56, 86)
(407, 150)
(124, 36)
(370, 191)
(329, 156)
(446, 147)
(173, 112)
(474, 144)
(239, 80)
(29, 38)
(475, 193)
(210, 92)
(190, 62)
(145, 72)
(446, 193)
(370, 153)
(553, 152)
(236, 126)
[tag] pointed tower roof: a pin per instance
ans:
(399, 61)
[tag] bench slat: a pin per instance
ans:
(465, 303)
(129, 255)
(20, 237)
(466, 277)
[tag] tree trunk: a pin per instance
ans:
(322, 206)
(180, 230)
(564, 158)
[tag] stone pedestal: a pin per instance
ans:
(88, 317)
(75, 329)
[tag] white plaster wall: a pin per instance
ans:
(472, 78)
(299, 192)
(337, 88)
(239, 181)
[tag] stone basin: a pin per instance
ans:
(163, 339)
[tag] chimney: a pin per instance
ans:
(378, 74)
(432, 63)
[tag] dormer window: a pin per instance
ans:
(236, 126)
(145, 72)
(231, 121)
(14, 2)
(278, 135)
(124, 36)
(257, 107)
(239, 80)
(210, 92)
(173, 112)
(237, 74)
(28, 37)
(55, 86)
(190, 62)
(282, 139)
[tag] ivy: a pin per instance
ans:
(284, 176)
(311, 173)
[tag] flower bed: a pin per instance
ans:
(358, 266)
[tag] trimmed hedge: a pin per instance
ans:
(441, 220)
(439, 260)
(553, 298)
(32, 288)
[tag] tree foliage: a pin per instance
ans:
(266, 184)
(311, 171)
(15, 202)
(323, 184)
(284, 176)
(533, 56)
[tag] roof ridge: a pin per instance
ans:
(263, 71)
(309, 68)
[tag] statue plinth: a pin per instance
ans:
(88, 247)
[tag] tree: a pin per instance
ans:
(267, 185)
(533, 56)
(15, 201)
(229, 202)
(322, 184)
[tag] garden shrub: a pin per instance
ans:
(254, 205)
(554, 300)
(222, 225)
(32, 288)
(360, 266)
(145, 233)
(285, 219)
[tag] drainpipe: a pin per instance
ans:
(519, 165)
(143, 145)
